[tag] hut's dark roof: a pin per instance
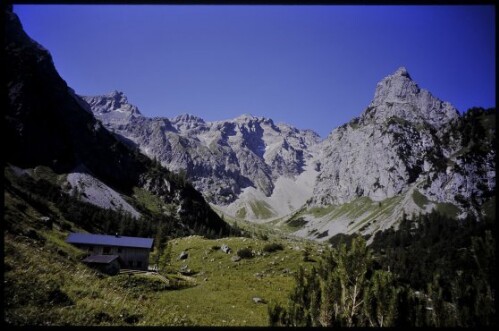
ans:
(107, 240)
(104, 259)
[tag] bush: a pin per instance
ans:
(263, 236)
(306, 255)
(138, 284)
(297, 223)
(131, 318)
(245, 253)
(58, 297)
(273, 247)
(102, 317)
(66, 226)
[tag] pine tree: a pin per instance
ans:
(165, 259)
(335, 294)
(380, 300)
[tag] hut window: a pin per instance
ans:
(139, 264)
(119, 250)
(106, 250)
(130, 263)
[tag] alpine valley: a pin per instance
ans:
(404, 154)
(388, 221)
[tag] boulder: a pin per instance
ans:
(226, 249)
(236, 258)
(46, 221)
(183, 255)
(258, 300)
(184, 270)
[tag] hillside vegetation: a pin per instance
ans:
(46, 284)
(434, 271)
(432, 257)
(375, 266)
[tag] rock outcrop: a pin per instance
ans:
(406, 143)
(404, 136)
(220, 158)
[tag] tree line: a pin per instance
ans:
(434, 271)
(44, 196)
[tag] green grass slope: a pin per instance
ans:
(224, 290)
(46, 284)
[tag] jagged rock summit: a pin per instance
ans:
(221, 158)
(398, 95)
(404, 144)
(403, 153)
(114, 101)
(387, 148)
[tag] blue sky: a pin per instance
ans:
(314, 67)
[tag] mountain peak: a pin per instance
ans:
(402, 71)
(397, 87)
(115, 101)
(245, 117)
(249, 118)
(118, 95)
(188, 118)
(397, 95)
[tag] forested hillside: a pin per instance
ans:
(432, 271)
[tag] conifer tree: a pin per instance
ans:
(342, 292)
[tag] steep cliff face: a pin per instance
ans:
(397, 95)
(404, 137)
(408, 152)
(220, 158)
(387, 148)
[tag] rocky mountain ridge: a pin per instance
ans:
(406, 143)
(379, 153)
(221, 158)
(404, 136)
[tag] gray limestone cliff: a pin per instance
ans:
(405, 137)
(220, 158)
(406, 142)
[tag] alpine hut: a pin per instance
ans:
(130, 252)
